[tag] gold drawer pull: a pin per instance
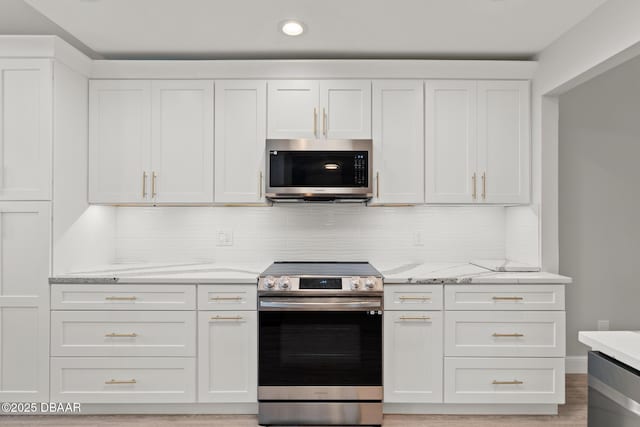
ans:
(112, 381)
(415, 298)
(514, 382)
(516, 335)
(225, 299)
(415, 318)
(120, 298)
(114, 335)
(226, 318)
(508, 298)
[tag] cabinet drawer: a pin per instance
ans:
(227, 297)
(413, 297)
(123, 380)
(123, 333)
(505, 333)
(123, 297)
(504, 297)
(523, 380)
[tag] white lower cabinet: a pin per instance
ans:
(123, 379)
(227, 356)
(504, 380)
(413, 356)
(124, 333)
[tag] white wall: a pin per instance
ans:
(599, 148)
(82, 235)
(310, 232)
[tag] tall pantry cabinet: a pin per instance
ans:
(26, 135)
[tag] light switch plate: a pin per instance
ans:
(224, 237)
(603, 325)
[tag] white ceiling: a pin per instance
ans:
(335, 28)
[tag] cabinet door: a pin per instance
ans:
(346, 109)
(119, 141)
(227, 356)
(25, 129)
(182, 141)
(398, 143)
(503, 141)
(450, 123)
(24, 295)
(293, 109)
(413, 356)
(240, 140)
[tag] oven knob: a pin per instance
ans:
(370, 283)
(355, 283)
(269, 282)
(283, 283)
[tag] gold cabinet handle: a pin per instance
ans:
(225, 298)
(514, 382)
(226, 318)
(377, 185)
(508, 298)
(415, 318)
(154, 193)
(315, 121)
(144, 185)
(112, 381)
(260, 185)
(115, 335)
(516, 335)
(474, 192)
(324, 122)
(120, 298)
(415, 298)
(484, 185)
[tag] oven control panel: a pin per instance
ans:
(305, 283)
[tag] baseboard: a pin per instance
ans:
(470, 409)
(576, 364)
(171, 408)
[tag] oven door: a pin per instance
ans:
(319, 169)
(316, 348)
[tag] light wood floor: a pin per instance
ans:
(573, 414)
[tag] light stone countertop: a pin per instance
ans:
(624, 346)
(246, 273)
(214, 273)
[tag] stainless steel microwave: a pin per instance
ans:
(319, 170)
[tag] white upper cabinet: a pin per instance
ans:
(151, 142)
(293, 109)
(504, 141)
(450, 161)
(240, 140)
(26, 100)
(477, 141)
(119, 141)
(346, 109)
(182, 141)
(311, 109)
(398, 142)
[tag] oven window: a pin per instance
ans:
(320, 348)
(318, 169)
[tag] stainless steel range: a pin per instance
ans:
(320, 344)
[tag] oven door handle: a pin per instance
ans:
(319, 305)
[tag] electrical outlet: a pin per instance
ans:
(603, 325)
(224, 238)
(417, 239)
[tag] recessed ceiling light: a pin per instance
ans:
(292, 28)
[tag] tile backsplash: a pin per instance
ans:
(310, 232)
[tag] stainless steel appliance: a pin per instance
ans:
(311, 170)
(614, 393)
(320, 344)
